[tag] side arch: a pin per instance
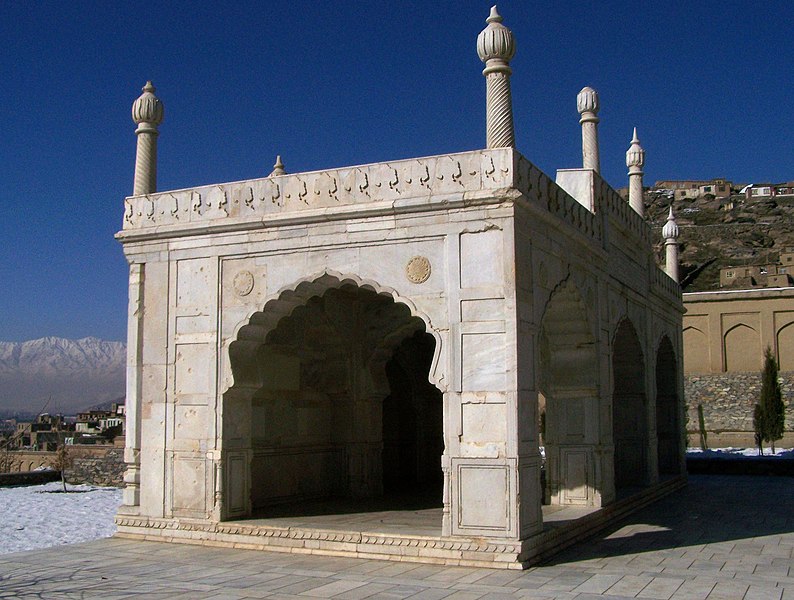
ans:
(697, 358)
(629, 408)
(785, 347)
(669, 410)
(568, 399)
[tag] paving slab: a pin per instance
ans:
(702, 543)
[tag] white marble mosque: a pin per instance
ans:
(365, 361)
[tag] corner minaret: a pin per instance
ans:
(587, 105)
(635, 161)
(278, 168)
(496, 47)
(147, 112)
(670, 235)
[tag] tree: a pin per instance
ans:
(704, 438)
(63, 460)
(758, 427)
(771, 412)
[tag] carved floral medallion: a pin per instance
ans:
(243, 283)
(418, 269)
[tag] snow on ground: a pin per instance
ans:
(783, 453)
(40, 516)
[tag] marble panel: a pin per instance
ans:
(189, 481)
(194, 284)
(193, 369)
(484, 495)
(481, 259)
(191, 422)
(483, 360)
(489, 309)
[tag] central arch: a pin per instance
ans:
(341, 413)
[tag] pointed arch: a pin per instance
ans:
(669, 428)
(568, 397)
(629, 408)
(742, 349)
(697, 358)
(785, 347)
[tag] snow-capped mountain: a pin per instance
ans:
(76, 374)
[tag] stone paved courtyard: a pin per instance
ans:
(724, 537)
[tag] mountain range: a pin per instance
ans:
(60, 375)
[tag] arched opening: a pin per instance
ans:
(668, 411)
(629, 418)
(343, 417)
(412, 422)
(568, 399)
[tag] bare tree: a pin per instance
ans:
(63, 460)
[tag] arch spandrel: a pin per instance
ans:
(250, 333)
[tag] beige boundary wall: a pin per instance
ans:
(95, 465)
(725, 334)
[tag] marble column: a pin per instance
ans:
(635, 161)
(496, 47)
(587, 105)
(670, 234)
(147, 112)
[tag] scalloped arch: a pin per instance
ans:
(252, 331)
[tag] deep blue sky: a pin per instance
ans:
(327, 84)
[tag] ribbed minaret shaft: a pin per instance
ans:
(147, 112)
(496, 47)
(635, 161)
(670, 234)
(587, 105)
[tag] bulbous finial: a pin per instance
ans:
(635, 155)
(587, 101)
(278, 168)
(148, 108)
(495, 42)
(670, 229)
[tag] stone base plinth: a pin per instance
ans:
(564, 528)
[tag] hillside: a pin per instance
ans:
(73, 374)
(753, 232)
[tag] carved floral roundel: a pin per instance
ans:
(418, 269)
(243, 283)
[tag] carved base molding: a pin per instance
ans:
(475, 552)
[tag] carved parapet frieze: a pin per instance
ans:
(257, 199)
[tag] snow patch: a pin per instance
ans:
(40, 516)
(726, 453)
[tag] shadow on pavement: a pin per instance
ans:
(711, 509)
